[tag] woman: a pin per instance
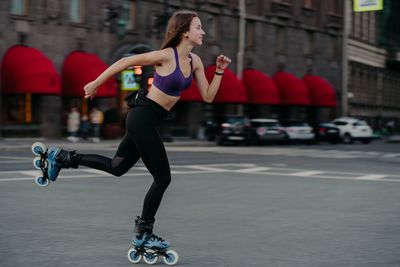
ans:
(175, 66)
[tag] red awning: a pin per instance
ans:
(292, 90)
(261, 89)
(191, 94)
(231, 89)
(27, 70)
(78, 69)
(321, 91)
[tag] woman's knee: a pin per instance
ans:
(118, 172)
(163, 181)
(117, 166)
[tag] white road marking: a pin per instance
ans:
(391, 155)
(93, 171)
(254, 169)
(31, 173)
(205, 168)
(305, 173)
(288, 152)
(247, 168)
(371, 177)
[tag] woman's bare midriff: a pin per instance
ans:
(164, 100)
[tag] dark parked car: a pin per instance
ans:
(267, 130)
(232, 129)
(327, 132)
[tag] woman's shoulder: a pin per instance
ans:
(160, 56)
(168, 51)
(196, 60)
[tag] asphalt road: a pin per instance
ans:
(227, 206)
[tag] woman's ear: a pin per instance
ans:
(185, 34)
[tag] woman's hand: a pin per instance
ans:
(91, 89)
(222, 62)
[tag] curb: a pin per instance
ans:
(25, 143)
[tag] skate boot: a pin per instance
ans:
(149, 246)
(59, 158)
(143, 235)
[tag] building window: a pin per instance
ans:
(250, 34)
(308, 3)
(77, 11)
(309, 43)
(131, 20)
(367, 18)
(332, 47)
(357, 24)
(213, 26)
(280, 39)
(333, 7)
(19, 7)
(372, 28)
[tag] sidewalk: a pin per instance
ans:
(25, 143)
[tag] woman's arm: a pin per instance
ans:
(209, 91)
(150, 58)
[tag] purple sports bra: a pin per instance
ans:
(174, 83)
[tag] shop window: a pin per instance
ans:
(131, 20)
(19, 7)
(308, 3)
(77, 11)
(333, 6)
(20, 109)
(280, 40)
(309, 43)
(213, 28)
(250, 34)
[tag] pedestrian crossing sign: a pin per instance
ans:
(368, 5)
(129, 81)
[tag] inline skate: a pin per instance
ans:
(149, 246)
(50, 161)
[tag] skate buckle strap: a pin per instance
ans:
(156, 237)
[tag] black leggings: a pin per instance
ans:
(142, 140)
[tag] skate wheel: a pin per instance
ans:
(40, 181)
(134, 256)
(150, 257)
(36, 163)
(172, 257)
(38, 148)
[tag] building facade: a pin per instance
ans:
(374, 64)
(293, 36)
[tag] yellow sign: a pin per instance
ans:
(367, 5)
(129, 81)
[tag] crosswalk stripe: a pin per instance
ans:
(30, 173)
(205, 168)
(255, 169)
(94, 171)
(246, 168)
(305, 173)
(371, 177)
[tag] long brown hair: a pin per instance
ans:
(178, 24)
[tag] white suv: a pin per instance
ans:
(353, 129)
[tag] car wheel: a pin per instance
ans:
(347, 139)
